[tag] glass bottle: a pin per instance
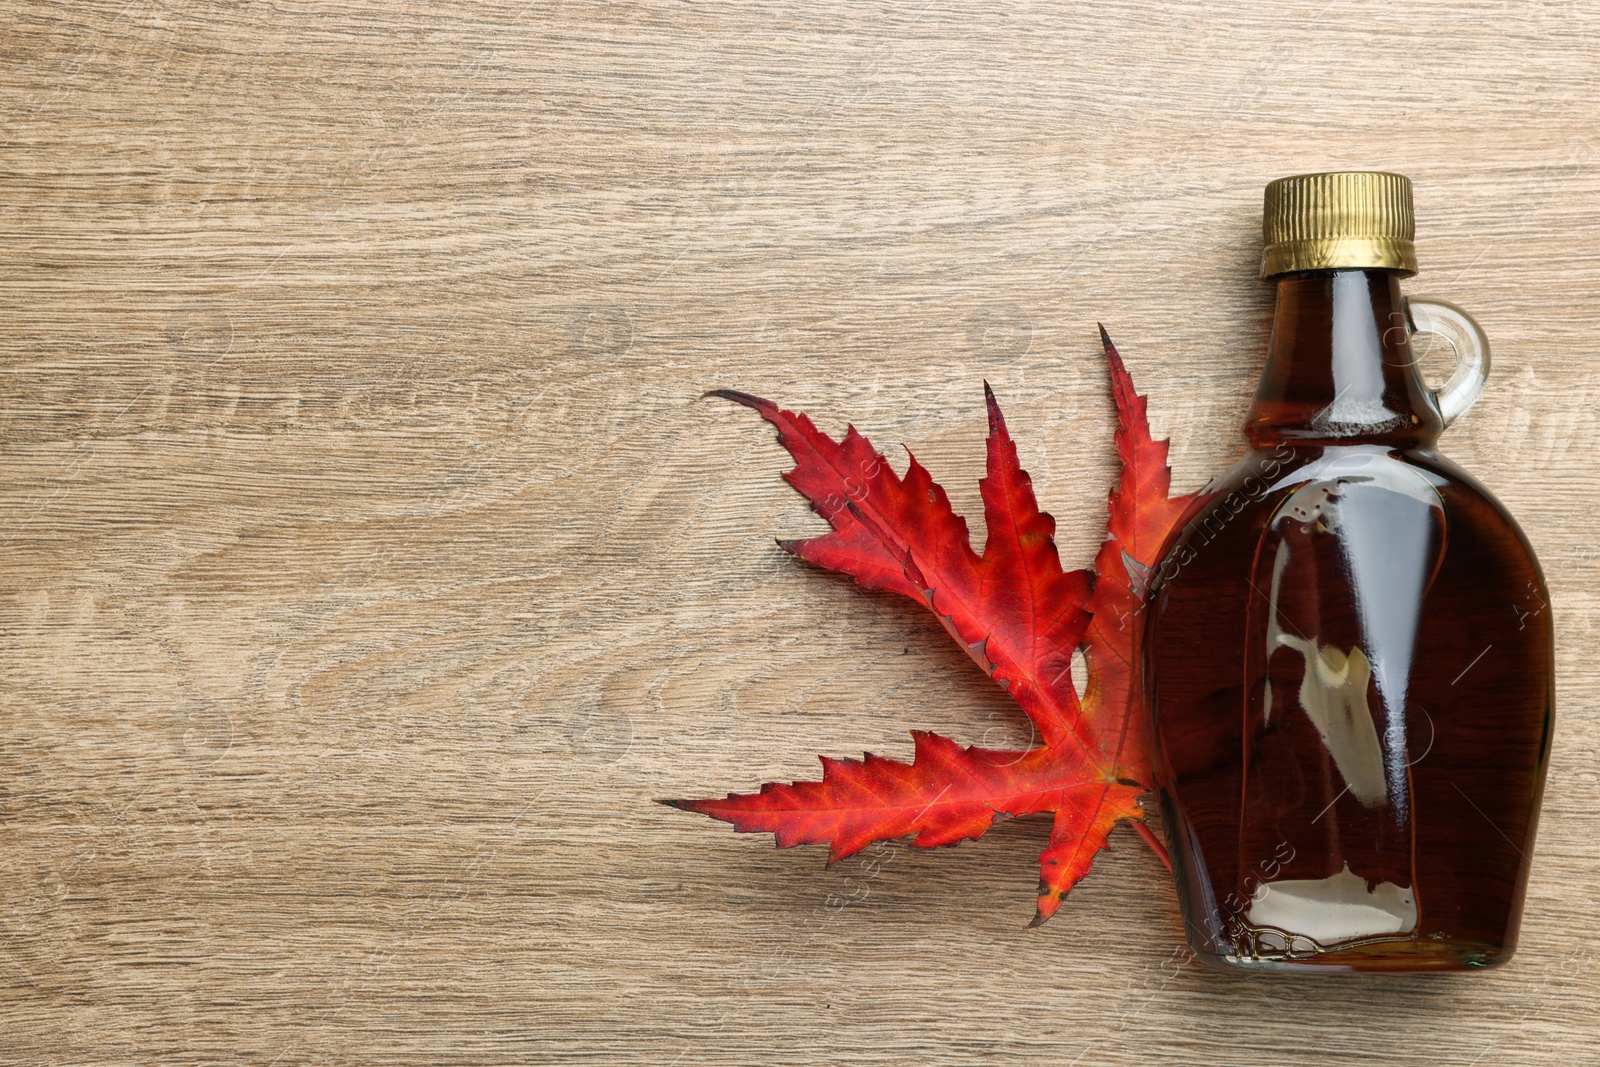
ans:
(1349, 649)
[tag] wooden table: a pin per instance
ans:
(371, 564)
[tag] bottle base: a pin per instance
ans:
(1396, 956)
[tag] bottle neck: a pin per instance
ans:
(1339, 366)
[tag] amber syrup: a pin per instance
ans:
(1349, 663)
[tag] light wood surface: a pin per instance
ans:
(370, 564)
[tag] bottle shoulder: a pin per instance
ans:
(1263, 473)
(1272, 483)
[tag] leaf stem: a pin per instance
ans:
(1154, 842)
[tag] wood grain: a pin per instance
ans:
(371, 564)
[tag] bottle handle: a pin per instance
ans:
(1471, 346)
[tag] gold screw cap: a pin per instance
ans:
(1352, 218)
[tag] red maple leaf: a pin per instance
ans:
(1017, 613)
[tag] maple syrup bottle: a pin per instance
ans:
(1348, 641)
